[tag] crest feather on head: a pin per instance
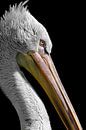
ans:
(14, 17)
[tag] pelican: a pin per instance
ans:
(24, 42)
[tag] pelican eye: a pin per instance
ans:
(42, 43)
(42, 47)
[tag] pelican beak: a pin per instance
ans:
(43, 70)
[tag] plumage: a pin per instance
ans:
(20, 32)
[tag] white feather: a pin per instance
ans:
(20, 31)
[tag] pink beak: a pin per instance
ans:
(42, 68)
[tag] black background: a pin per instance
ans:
(65, 24)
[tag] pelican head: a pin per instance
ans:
(25, 42)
